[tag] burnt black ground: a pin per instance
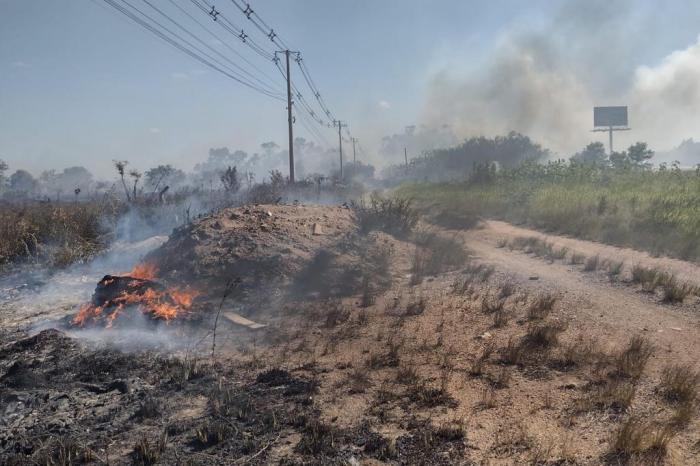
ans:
(65, 402)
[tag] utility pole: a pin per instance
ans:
(405, 158)
(354, 159)
(340, 126)
(290, 120)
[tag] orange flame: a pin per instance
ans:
(144, 271)
(166, 304)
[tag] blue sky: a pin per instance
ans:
(82, 85)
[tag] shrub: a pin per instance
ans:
(615, 269)
(395, 216)
(436, 254)
(591, 264)
(577, 258)
(676, 292)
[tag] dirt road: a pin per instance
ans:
(591, 302)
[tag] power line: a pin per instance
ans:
(260, 24)
(227, 24)
(225, 44)
(312, 129)
(204, 44)
(267, 30)
(213, 63)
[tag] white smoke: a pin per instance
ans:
(545, 82)
(666, 98)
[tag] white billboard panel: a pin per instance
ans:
(609, 116)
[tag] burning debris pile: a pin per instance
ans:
(117, 296)
(263, 248)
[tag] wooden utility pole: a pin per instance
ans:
(354, 159)
(290, 118)
(405, 158)
(340, 126)
(289, 121)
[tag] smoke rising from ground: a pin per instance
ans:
(544, 82)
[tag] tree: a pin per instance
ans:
(3, 169)
(619, 160)
(120, 165)
(593, 154)
(22, 181)
(277, 178)
(639, 154)
(164, 175)
(229, 178)
(136, 175)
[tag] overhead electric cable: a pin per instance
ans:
(211, 63)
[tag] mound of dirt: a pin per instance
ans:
(261, 245)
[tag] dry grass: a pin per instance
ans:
(579, 352)
(640, 442)
(477, 273)
(395, 216)
(435, 254)
(541, 306)
(592, 264)
(631, 360)
(543, 336)
(577, 258)
(477, 366)
(148, 452)
(649, 278)
(679, 383)
(56, 234)
(614, 269)
(614, 394)
(675, 291)
(512, 353)
(500, 318)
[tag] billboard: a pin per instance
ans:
(609, 116)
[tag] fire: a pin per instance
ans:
(165, 305)
(144, 271)
(135, 289)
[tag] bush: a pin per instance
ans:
(436, 254)
(395, 216)
(58, 234)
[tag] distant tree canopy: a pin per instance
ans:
(507, 151)
(229, 178)
(638, 155)
(593, 153)
(164, 175)
(458, 162)
(22, 181)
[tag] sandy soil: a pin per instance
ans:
(604, 309)
(389, 369)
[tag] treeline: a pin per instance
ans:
(460, 161)
(621, 199)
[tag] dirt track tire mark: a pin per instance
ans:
(592, 306)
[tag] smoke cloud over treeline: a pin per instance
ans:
(544, 81)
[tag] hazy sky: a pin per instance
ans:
(82, 85)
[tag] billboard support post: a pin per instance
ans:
(610, 119)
